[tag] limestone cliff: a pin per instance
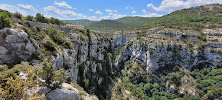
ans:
(93, 59)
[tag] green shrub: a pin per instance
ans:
(68, 44)
(212, 26)
(53, 79)
(110, 55)
(49, 44)
(86, 82)
(3, 68)
(82, 36)
(29, 18)
(40, 54)
(4, 20)
(82, 93)
(17, 15)
(203, 37)
(57, 37)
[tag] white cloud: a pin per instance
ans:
(217, 1)
(133, 12)
(108, 10)
(98, 13)
(52, 9)
(62, 4)
(128, 7)
(27, 7)
(112, 16)
(64, 14)
(169, 5)
(172, 5)
(150, 15)
(92, 18)
(153, 15)
(12, 9)
(144, 11)
(91, 10)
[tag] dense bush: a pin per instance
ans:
(55, 21)
(29, 18)
(55, 35)
(196, 22)
(14, 88)
(68, 44)
(40, 18)
(4, 20)
(17, 15)
(49, 44)
(209, 80)
(53, 79)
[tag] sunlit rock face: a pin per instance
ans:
(156, 51)
(15, 46)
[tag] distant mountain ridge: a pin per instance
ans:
(135, 20)
(196, 18)
(121, 23)
(84, 22)
(210, 9)
(107, 24)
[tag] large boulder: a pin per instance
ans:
(15, 46)
(37, 91)
(67, 92)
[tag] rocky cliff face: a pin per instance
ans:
(94, 59)
(88, 63)
(167, 48)
(88, 60)
(15, 46)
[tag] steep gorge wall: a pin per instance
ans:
(89, 62)
(156, 52)
(94, 59)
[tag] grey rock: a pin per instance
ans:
(3, 50)
(62, 94)
(15, 47)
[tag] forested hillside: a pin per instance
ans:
(118, 24)
(84, 22)
(135, 21)
(208, 16)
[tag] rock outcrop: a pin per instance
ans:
(158, 52)
(15, 46)
(62, 94)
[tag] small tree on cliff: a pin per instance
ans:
(47, 73)
(29, 18)
(53, 79)
(4, 20)
(17, 15)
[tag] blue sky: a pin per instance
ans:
(99, 9)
